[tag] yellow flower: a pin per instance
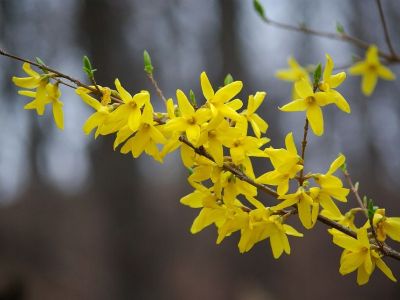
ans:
(386, 226)
(213, 210)
(31, 82)
(295, 73)
(213, 135)
(54, 94)
(331, 186)
(190, 120)
(370, 69)
(243, 146)
(330, 82)
(311, 103)
(346, 220)
(220, 102)
(286, 163)
(100, 117)
(146, 136)
(257, 123)
(260, 225)
(358, 255)
(47, 94)
(129, 112)
(34, 81)
(308, 209)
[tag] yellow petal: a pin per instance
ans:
(336, 164)
(303, 88)
(58, 114)
(184, 105)
(385, 269)
(206, 87)
(392, 228)
(350, 261)
(316, 119)
(26, 82)
(340, 102)
(328, 68)
(358, 68)
(368, 84)
(276, 245)
(228, 91)
(126, 97)
(289, 142)
(193, 133)
(362, 276)
(386, 73)
(372, 55)
(296, 105)
(337, 79)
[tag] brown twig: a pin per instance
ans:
(59, 74)
(155, 84)
(385, 29)
(303, 152)
(333, 36)
(354, 190)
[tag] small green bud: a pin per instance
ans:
(317, 74)
(192, 98)
(371, 209)
(339, 28)
(41, 62)
(190, 170)
(259, 9)
(87, 67)
(148, 67)
(344, 167)
(228, 79)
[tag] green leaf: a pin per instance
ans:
(41, 62)
(259, 9)
(317, 74)
(371, 208)
(339, 28)
(344, 167)
(228, 79)
(148, 67)
(87, 67)
(190, 170)
(192, 98)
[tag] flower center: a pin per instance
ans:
(310, 100)
(373, 68)
(191, 121)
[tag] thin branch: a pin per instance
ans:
(158, 90)
(230, 167)
(354, 190)
(385, 29)
(303, 151)
(59, 74)
(331, 35)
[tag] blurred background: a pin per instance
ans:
(80, 221)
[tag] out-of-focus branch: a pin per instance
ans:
(385, 29)
(344, 37)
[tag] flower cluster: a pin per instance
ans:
(219, 140)
(46, 93)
